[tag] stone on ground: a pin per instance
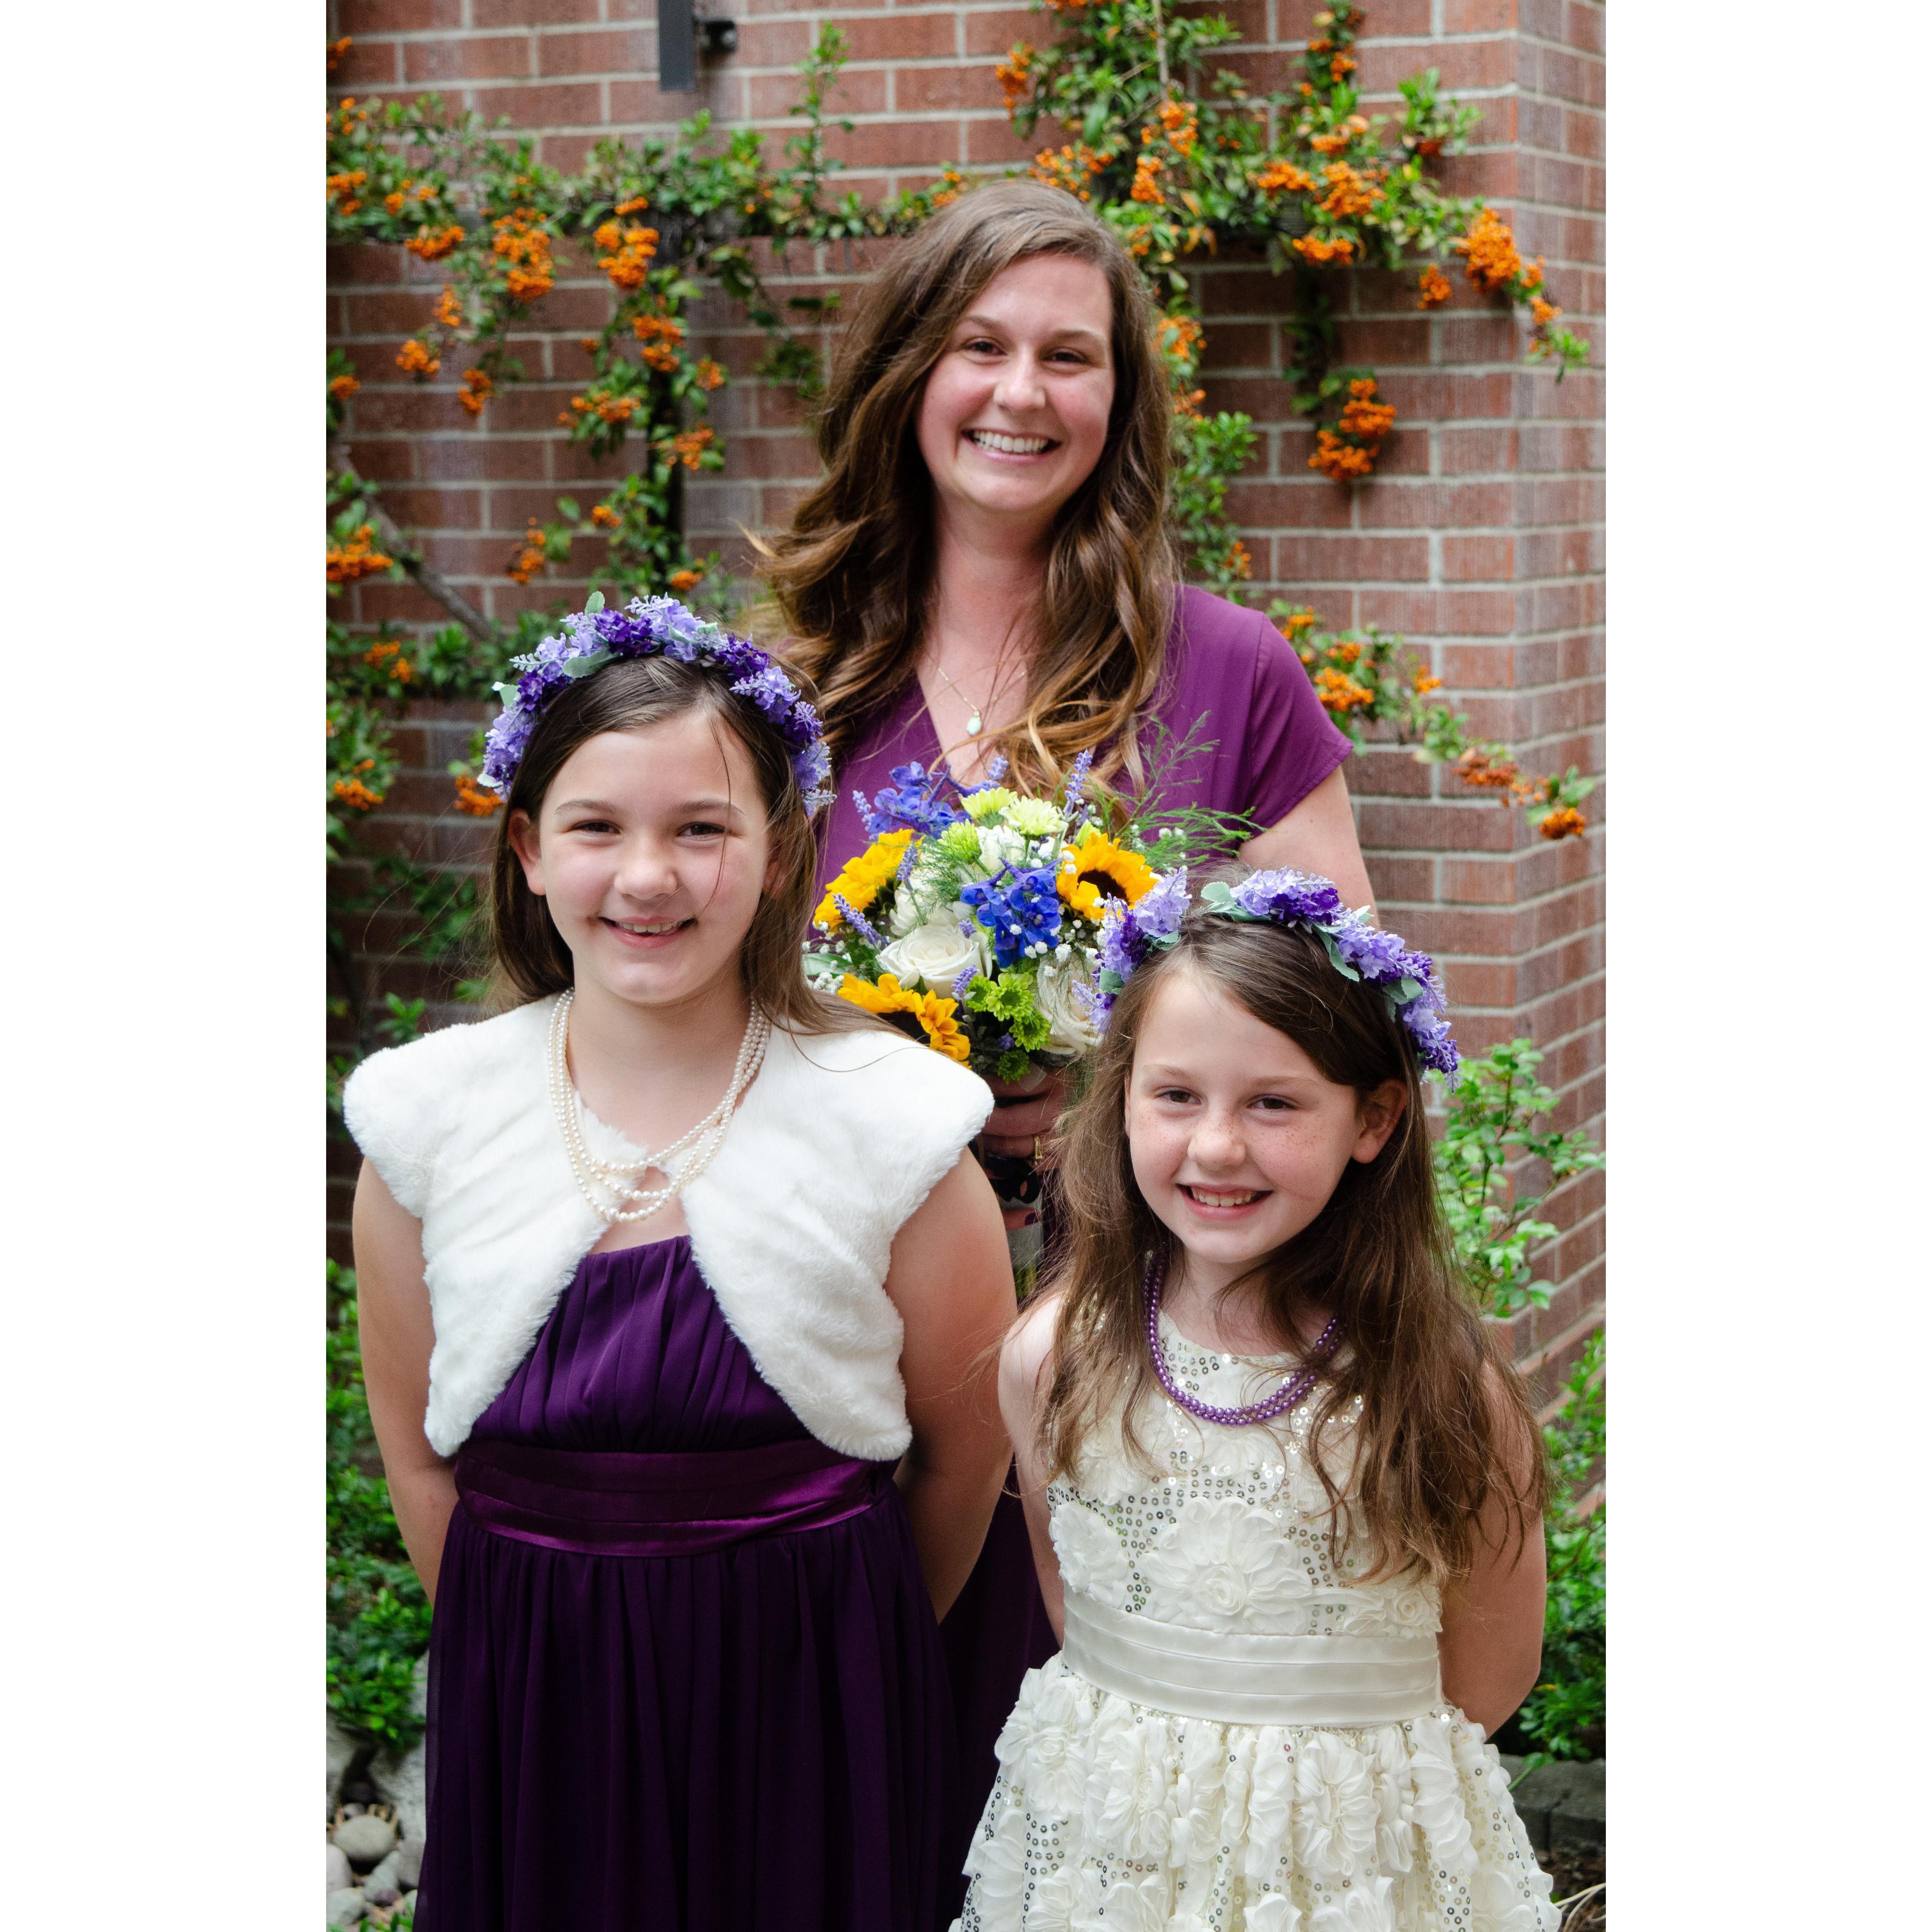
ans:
(345, 1908)
(366, 1840)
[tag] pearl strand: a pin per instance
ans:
(1285, 1398)
(591, 1174)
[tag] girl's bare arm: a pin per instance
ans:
(1024, 1365)
(397, 1335)
(952, 1284)
(1492, 1641)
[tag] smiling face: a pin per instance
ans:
(1237, 1139)
(650, 849)
(1014, 415)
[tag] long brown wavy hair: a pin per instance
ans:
(851, 580)
(1432, 1446)
(528, 957)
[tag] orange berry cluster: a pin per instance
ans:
(530, 560)
(1565, 822)
(1072, 168)
(627, 252)
(1432, 291)
(523, 241)
(343, 387)
(1011, 74)
(358, 558)
(476, 390)
(388, 655)
(601, 402)
(661, 335)
(1178, 118)
(1318, 252)
(1488, 252)
(431, 244)
(1281, 173)
(414, 359)
(1348, 452)
(1349, 193)
(603, 517)
(354, 793)
(1147, 188)
(1340, 693)
(474, 798)
(954, 186)
(449, 309)
(710, 374)
(1237, 561)
(337, 49)
(342, 190)
(686, 579)
(689, 447)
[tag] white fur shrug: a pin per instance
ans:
(839, 1139)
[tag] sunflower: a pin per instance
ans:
(1096, 870)
(861, 879)
(921, 1016)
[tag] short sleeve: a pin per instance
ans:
(1291, 745)
(387, 1106)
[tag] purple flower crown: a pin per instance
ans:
(594, 636)
(1357, 950)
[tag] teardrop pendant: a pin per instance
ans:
(974, 725)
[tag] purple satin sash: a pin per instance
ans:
(610, 1503)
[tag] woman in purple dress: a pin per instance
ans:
(986, 570)
(677, 1296)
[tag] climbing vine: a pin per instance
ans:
(1185, 164)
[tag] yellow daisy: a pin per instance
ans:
(1096, 870)
(921, 1016)
(861, 879)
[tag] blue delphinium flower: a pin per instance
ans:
(1021, 909)
(912, 799)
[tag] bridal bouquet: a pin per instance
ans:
(994, 928)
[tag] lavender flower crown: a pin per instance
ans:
(1357, 949)
(658, 626)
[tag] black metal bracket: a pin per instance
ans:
(680, 36)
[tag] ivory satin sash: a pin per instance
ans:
(1340, 1682)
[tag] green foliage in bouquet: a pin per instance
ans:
(979, 923)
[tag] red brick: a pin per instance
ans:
(533, 12)
(363, 17)
(895, 144)
(473, 57)
(994, 34)
(628, 50)
(901, 36)
(573, 104)
(933, 90)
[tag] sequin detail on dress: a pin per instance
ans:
(1110, 1816)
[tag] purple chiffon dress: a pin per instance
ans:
(684, 1674)
(1235, 691)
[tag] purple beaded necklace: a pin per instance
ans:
(1284, 1398)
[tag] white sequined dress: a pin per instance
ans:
(1213, 1589)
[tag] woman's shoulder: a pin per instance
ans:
(1215, 630)
(401, 1104)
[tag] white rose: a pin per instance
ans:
(1073, 1031)
(1053, 1763)
(937, 953)
(1092, 1562)
(999, 847)
(1224, 1566)
(997, 1862)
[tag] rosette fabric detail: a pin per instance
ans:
(1111, 1811)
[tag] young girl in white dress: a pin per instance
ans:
(1285, 1492)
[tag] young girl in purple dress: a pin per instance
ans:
(677, 1291)
(987, 570)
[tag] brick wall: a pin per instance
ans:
(1481, 537)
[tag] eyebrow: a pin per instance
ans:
(720, 805)
(988, 322)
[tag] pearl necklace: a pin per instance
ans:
(1285, 1398)
(593, 1175)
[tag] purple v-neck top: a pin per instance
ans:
(1230, 678)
